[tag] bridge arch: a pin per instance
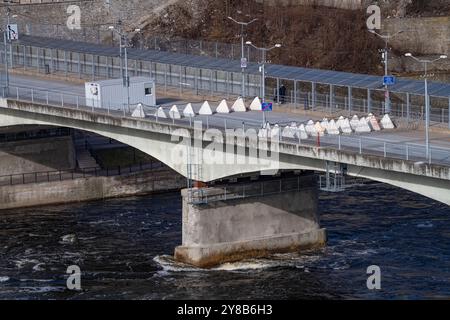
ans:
(175, 155)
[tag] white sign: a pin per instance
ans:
(244, 63)
(12, 32)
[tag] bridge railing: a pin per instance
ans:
(63, 175)
(355, 143)
(63, 62)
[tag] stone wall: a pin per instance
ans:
(40, 155)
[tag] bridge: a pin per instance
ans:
(224, 146)
(276, 209)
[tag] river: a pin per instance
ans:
(123, 248)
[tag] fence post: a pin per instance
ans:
(339, 141)
(47, 97)
(360, 145)
(385, 152)
(32, 95)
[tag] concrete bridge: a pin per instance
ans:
(276, 222)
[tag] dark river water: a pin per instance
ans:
(123, 248)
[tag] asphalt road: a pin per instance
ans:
(395, 143)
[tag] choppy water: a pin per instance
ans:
(123, 247)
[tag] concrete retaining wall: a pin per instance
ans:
(93, 188)
(40, 155)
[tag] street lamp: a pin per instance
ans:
(263, 70)
(6, 87)
(125, 78)
(427, 97)
(386, 37)
(243, 60)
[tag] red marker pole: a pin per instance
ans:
(318, 140)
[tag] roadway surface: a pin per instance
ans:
(397, 143)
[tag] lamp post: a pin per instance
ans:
(386, 37)
(6, 63)
(263, 70)
(125, 78)
(427, 97)
(243, 60)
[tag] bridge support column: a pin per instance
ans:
(237, 227)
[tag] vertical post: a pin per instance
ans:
(331, 96)
(93, 67)
(79, 65)
(448, 113)
(295, 92)
(350, 99)
(408, 107)
(165, 78)
(369, 100)
(6, 63)
(313, 95)
(278, 90)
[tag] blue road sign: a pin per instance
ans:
(389, 80)
(267, 107)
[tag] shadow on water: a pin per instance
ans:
(123, 248)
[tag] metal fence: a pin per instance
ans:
(62, 175)
(356, 143)
(208, 82)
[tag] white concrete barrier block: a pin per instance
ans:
(386, 122)
(319, 129)
(139, 111)
(311, 128)
(160, 113)
(354, 123)
(373, 123)
(324, 124)
(345, 127)
(174, 113)
(223, 107)
(275, 132)
(239, 106)
(332, 128)
(205, 109)
(302, 133)
(256, 105)
(363, 126)
(188, 111)
(289, 132)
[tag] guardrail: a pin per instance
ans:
(354, 143)
(62, 175)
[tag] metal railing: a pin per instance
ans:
(62, 175)
(354, 143)
(185, 79)
(242, 191)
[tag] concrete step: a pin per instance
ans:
(85, 160)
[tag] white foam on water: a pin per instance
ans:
(4, 279)
(291, 260)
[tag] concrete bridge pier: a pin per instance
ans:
(221, 229)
